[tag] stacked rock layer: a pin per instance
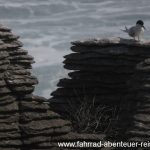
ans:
(26, 122)
(112, 72)
(139, 104)
(15, 80)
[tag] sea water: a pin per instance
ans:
(47, 27)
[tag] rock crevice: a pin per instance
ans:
(105, 72)
(27, 122)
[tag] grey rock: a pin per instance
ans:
(24, 118)
(111, 71)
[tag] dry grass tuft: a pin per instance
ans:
(90, 117)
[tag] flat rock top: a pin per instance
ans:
(111, 41)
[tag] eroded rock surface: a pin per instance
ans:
(27, 122)
(111, 71)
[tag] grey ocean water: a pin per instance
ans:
(46, 28)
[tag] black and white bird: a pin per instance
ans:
(136, 31)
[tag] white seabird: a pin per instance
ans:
(136, 31)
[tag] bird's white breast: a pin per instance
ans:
(136, 31)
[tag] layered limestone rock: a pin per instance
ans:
(112, 72)
(26, 121)
(139, 127)
(15, 80)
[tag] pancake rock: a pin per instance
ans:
(14, 82)
(113, 72)
(27, 122)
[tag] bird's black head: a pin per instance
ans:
(140, 22)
